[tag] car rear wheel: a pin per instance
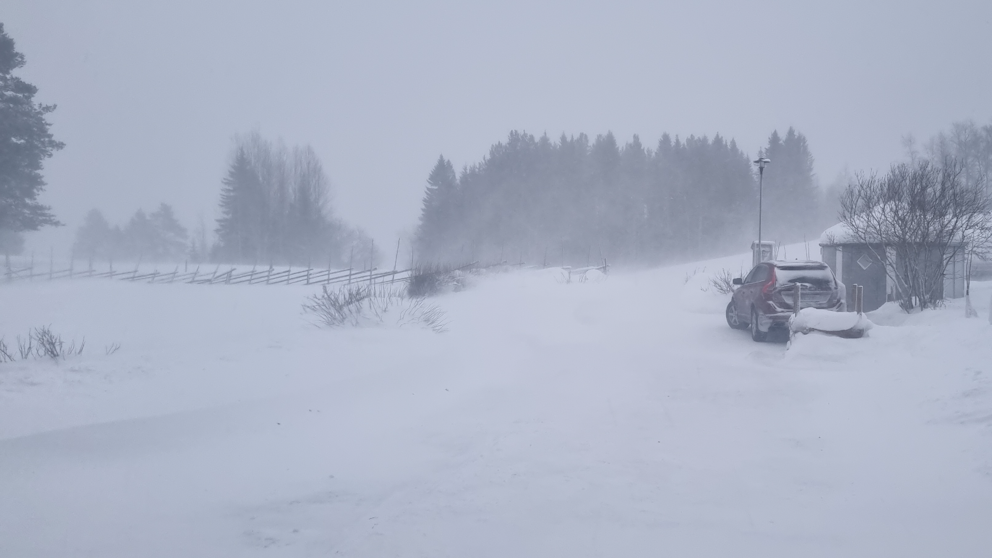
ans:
(756, 333)
(733, 320)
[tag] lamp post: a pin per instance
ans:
(761, 162)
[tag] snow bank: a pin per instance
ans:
(824, 320)
(697, 294)
(614, 419)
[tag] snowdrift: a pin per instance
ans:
(616, 418)
(842, 324)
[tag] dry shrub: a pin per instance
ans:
(362, 305)
(723, 282)
(42, 342)
(432, 279)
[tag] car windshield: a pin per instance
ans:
(817, 276)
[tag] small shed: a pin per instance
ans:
(855, 262)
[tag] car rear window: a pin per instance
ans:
(819, 277)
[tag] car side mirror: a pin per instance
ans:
(738, 281)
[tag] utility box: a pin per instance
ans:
(762, 251)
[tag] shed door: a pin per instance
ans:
(862, 267)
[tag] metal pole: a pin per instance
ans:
(761, 181)
(761, 162)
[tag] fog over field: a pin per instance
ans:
(150, 95)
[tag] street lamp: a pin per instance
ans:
(761, 162)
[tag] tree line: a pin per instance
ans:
(966, 142)
(155, 237)
(275, 208)
(576, 201)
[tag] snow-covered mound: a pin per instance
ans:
(809, 319)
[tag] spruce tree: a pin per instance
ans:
(169, 235)
(438, 211)
(791, 195)
(242, 212)
(25, 142)
(94, 239)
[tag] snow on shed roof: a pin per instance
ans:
(839, 234)
(842, 234)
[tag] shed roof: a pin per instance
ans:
(841, 234)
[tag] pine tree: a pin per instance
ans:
(791, 194)
(94, 239)
(169, 240)
(437, 214)
(25, 142)
(239, 229)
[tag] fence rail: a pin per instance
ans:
(26, 270)
(218, 275)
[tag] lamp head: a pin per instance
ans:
(762, 161)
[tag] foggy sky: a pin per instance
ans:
(149, 96)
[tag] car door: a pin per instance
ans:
(745, 293)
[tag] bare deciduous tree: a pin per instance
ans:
(917, 219)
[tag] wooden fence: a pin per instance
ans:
(199, 276)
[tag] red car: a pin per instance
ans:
(764, 300)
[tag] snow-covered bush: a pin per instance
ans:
(362, 306)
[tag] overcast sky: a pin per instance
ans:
(149, 96)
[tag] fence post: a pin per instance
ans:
(859, 300)
(371, 260)
(351, 260)
(396, 260)
(796, 299)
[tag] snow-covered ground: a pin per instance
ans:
(618, 417)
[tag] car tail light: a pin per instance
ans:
(767, 287)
